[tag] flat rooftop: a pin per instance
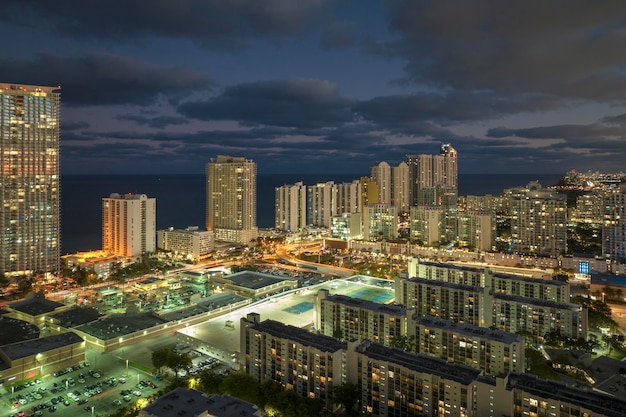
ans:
(120, 324)
(190, 403)
(253, 280)
(20, 350)
(304, 337)
(36, 306)
(536, 301)
(469, 330)
(446, 284)
(592, 400)
(419, 363)
(367, 305)
(76, 316)
(220, 300)
(14, 330)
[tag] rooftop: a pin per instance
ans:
(253, 280)
(419, 363)
(301, 336)
(445, 284)
(36, 306)
(32, 347)
(595, 401)
(367, 305)
(191, 403)
(469, 330)
(76, 316)
(536, 301)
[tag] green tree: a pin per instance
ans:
(210, 382)
(160, 358)
(242, 386)
(348, 396)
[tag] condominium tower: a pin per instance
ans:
(129, 224)
(428, 172)
(231, 199)
(29, 174)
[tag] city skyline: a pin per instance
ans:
(161, 87)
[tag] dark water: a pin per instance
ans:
(181, 199)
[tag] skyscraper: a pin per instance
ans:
(290, 212)
(29, 178)
(231, 199)
(129, 224)
(428, 172)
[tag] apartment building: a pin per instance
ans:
(494, 352)
(128, 224)
(348, 318)
(307, 363)
(190, 242)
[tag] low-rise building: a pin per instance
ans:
(191, 242)
(254, 284)
(189, 402)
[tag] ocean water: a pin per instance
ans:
(181, 199)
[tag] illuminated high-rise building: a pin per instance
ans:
(129, 224)
(290, 212)
(430, 172)
(231, 199)
(29, 179)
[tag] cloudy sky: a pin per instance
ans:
(334, 86)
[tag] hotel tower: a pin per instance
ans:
(231, 199)
(29, 179)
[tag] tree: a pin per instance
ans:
(210, 382)
(242, 386)
(348, 396)
(160, 358)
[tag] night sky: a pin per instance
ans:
(311, 86)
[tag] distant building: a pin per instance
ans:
(321, 204)
(430, 173)
(538, 221)
(129, 224)
(380, 221)
(381, 173)
(400, 184)
(192, 403)
(231, 199)
(346, 226)
(29, 179)
(427, 225)
(476, 230)
(291, 208)
(190, 242)
(101, 263)
(348, 198)
(614, 223)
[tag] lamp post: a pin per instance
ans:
(92, 409)
(127, 368)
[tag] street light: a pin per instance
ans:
(127, 368)
(92, 408)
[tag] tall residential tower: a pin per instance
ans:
(129, 224)
(231, 199)
(29, 179)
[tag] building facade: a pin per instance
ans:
(380, 221)
(231, 199)
(129, 224)
(29, 173)
(492, 351)
(321, 203)
(290, 210)
(348, 318)
(190, 242)
(381, 173)
(304, 362)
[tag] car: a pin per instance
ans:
(117, 402)
(127, 398)
(66, 403)
(87, 408)
(137, 393)
(121, 380)
(81, 402)
(52, 409)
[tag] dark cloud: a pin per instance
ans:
(104, 78)
(337, 35)
(68, 125)
(158, 122)
(567, 48)
(216, 23)
(568, 132)
(305, 103)
(450, 107)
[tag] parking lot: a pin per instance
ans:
(80, 389)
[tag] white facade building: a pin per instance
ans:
(190, 242)
(290, 210)
(129, 224)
